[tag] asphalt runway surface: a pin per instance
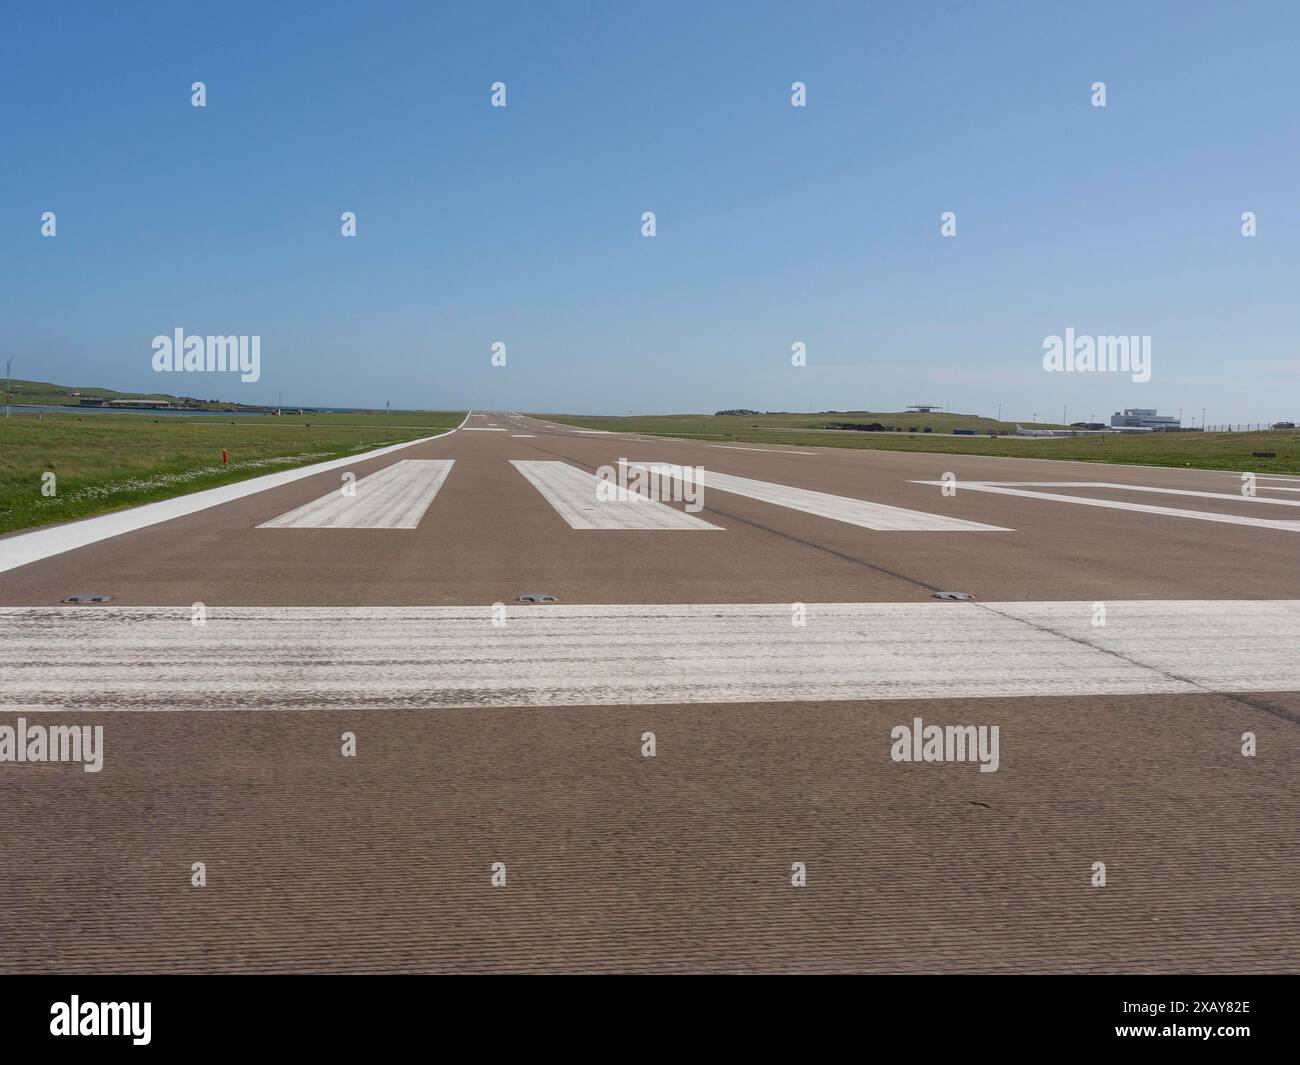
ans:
(772, 625)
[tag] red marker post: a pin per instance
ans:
(225, 456)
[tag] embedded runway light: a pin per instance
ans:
(951, 595)
(536, 599)
(88, 599)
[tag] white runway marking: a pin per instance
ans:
(572, 492)
(1142, 508)
(523, 436)
(151, 658)
(766, 450)
(42, 543)
(482, 429)
(1231, 497)
(860, 512)
(395, 497)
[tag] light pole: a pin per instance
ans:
(1035, 417)
(1064, 408)
(9, 369)
(1202, 419)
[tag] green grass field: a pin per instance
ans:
(105, 462)
(1211, 451)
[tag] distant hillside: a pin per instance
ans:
(821, 421)
(43, 393)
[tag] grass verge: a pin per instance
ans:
(1209, 451)
(107, 462)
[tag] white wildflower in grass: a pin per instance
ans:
(169, 480)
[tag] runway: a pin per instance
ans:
(1127, 628)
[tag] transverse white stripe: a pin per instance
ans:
(395, 497)
(572, 492)
(151, 658)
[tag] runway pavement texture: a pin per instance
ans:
(688, 761)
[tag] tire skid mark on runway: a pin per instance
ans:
(782, 534)
(1049, 622)
(153, 658)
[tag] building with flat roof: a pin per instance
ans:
(1143, 418)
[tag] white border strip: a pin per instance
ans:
(33, 546)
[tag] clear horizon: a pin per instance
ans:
(775, 225)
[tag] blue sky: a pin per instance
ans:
(775, 224)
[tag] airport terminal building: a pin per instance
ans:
(1143, 418)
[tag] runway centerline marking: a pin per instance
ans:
(315, 658)
(1282, 525)
(395, 497)
(572, 493)
(860, 512)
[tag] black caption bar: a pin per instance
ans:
(149, 1014)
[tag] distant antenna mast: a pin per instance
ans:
(9, 369)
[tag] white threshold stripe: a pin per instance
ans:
(572, 492)
(395, 497)
(33, 546)
(307, 658)
(1115, 504)
(1231, 497)
(860, 512)
(482, 429)
(523, 436)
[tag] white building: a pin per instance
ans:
(1143, 418)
